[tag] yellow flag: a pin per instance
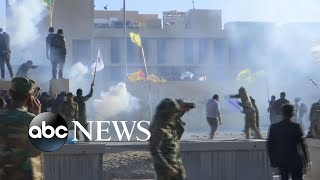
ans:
(243, 74)
(154, 78)
(135, 38)
(246, 75)
(136, 76)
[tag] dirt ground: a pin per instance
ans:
(128, 165)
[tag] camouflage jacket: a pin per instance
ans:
(166, 130)
(81, 101)
(315, 112)
(19, 160)
(70, 111)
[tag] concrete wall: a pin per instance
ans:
(314, 152)
(75, 162)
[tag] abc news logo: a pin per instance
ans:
(48, 131)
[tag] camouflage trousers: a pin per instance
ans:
(250, 123)
(314, 130)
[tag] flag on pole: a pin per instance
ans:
(203, 78)
(136, 38)
(156, 79)
(186, 74)
(98, 65)
(248, 76)
(137, 76)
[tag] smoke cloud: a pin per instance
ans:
(23, 23)
(115, 101)
(77, 76)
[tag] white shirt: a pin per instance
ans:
(213, 109)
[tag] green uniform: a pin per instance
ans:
(314, 130)
(19, 160)
(70, 112)
(166, 130)
(250, 114)
(81, 101)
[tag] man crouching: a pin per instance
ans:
(166, 130)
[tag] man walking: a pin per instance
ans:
(58, 53)
(248, 110)
(166, 131)
(287, 147)
(5, 54)
(278, 104)
(213, 115)
(81, 101)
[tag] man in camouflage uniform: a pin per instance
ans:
(19, 160)
(314, 129)
(70, 110)
(250, 114)
(80, 100)
(166, 130)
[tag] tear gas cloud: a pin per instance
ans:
(115, 101)
(26, 15)
(77, 75)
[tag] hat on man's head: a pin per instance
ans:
(22, 85)
(60, 31)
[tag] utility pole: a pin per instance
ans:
(193, 4)
(125, 36)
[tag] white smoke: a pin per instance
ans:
(77, 75)
(23, 23)
(115, 101)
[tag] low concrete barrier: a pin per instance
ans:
(314, 152)
(226, 160)
(75, 162)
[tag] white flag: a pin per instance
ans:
(99, 61)
(203, 78)
(186, 75)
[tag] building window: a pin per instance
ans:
(130, 51)
(218, 50)
(161, 51)
(115, 50)
(203, 51)
(116, 74)
(81, 50)
(188, 51)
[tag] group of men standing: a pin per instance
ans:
(300, 110)
(250, 110)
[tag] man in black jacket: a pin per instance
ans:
(287, 147)
(58, 53)
(5, 53)
(277, 106)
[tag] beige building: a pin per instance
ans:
(184, 41)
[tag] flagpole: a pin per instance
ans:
(125, 37)
(95, 69)
(145, 62)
